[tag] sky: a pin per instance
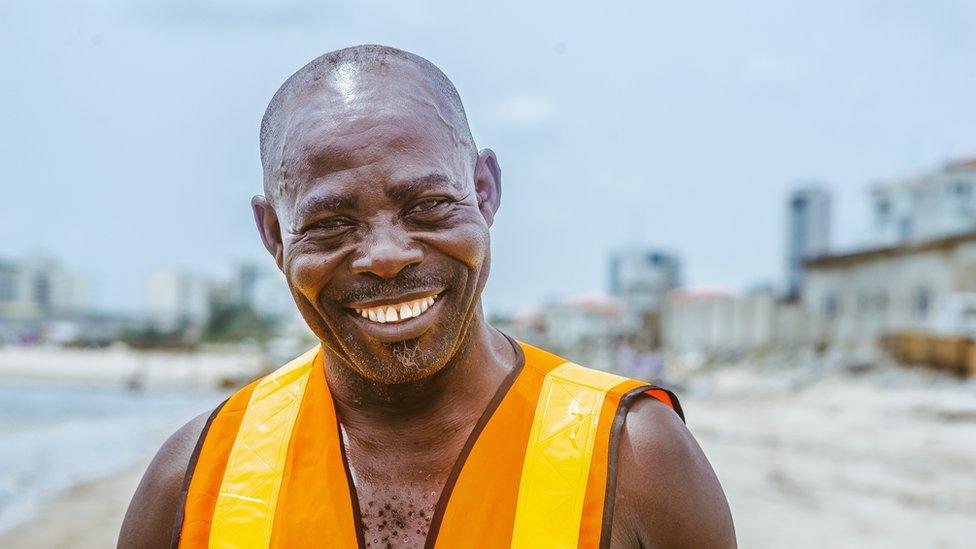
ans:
(129, 130)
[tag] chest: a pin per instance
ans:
(396, 515)
(397, 488)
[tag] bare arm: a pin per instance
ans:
(667, 493)
(152, 512)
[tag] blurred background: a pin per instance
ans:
(769, 207)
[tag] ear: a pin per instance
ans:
(488, 184)
(267, 222)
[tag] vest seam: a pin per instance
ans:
(188, 476)
(440, 508)
(357, 518)
(616, 429)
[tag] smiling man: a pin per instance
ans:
(414, 423)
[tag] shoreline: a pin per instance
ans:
(119, 367)
(86, 515)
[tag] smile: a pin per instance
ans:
(397, 312)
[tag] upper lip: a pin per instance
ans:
(394, 300)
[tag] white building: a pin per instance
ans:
(177, 297)
(927, 206)
(864, 294)
(40, 287)
(716, 320)
(808, 218)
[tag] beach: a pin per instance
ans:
(881, 460)
(884, 459)
(87, 515)
(72, 455)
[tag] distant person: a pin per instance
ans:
(414, 423)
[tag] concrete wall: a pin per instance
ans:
(859, 300)
(742, 324)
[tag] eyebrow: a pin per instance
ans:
(407, 189)
(327, 202)
(399, 193)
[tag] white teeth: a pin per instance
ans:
(397, 312)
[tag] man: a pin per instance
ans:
(415, 423)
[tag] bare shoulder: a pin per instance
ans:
(152, 512)
(667, 493)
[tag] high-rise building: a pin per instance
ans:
(641, 279)
(808, 229)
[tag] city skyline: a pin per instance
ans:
(142, 121)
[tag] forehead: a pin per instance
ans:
(370, 131)
(327, 161)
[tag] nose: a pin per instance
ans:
(387, 251)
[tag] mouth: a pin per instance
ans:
(407, 318)
(397, 312)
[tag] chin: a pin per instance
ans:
(400, 361)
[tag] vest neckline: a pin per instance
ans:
(445, 496)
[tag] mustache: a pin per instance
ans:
(403, 283)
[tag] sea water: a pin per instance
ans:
(53, 437)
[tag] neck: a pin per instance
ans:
(427, 411)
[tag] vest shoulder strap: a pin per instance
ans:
(245, 508)
(562, 488)
(557, 461)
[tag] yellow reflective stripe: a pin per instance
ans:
(245, 509)
(557, 459)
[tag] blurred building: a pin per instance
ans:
(920, 259)
(927, 206)
(177, 298)
(714, 320)
(808, 220)
(864, 294)
(640, 279)
(268, 294)
(40, 287)
(584, 328)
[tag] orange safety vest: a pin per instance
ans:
(538, 470)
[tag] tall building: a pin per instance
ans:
(931, 205)
(641, 279)
(808, 226)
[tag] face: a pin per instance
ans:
(383, 216)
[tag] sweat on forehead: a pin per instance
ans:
(340, 73)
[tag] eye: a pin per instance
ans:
(427, 205)
(331, 224)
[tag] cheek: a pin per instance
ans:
(309, 272)
(469, 244)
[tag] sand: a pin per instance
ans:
(843, 461)
(877, 461)
(89, 515)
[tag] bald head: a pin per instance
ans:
(345, 83)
